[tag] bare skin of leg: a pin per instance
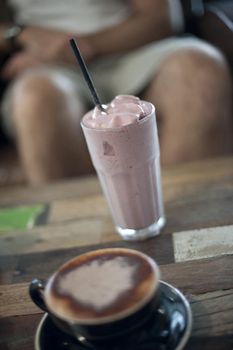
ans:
(192, 93)
(46, 111)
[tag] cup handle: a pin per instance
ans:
(36, 291)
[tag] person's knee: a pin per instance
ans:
(201, 65)
(37, 87)
(193, 92)
(199, 76)
(44, 90)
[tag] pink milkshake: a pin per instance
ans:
(123, 144)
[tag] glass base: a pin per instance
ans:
(147, 232)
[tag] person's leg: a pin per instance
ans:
(46, 112)
(193, 97)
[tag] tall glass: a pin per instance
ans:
(127, 161)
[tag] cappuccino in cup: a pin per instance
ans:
(102, 293)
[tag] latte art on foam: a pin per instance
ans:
(99, 284)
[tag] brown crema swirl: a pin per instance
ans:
(102, 286)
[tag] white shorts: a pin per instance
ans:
(126, 74)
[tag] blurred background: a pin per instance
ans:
(210, 20)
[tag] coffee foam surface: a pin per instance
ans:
(105, 285)
(87, 285)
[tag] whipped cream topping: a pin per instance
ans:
(123, 110)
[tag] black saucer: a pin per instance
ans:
(167, 329)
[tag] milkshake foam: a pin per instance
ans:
(123, 110)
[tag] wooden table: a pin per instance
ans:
(195, 250)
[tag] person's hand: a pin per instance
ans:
(41, 46)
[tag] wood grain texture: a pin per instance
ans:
(72, 188)
(203, 243)
(197, 195)
(176, 180)
(25, 267)
(210, 343)
(88, 207)
(200, 276)
(208, 205)
(15, 301)
(76, 222)
(212, 324)
(213, 314)
(82, 232)
(18, 332)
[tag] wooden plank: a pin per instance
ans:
(212, 170)
(213, 313)
(88, 231)
(183, 209)
(25, 267)
(210, 343)
(88, 207)
(196, 195)
(204, 212)
(176, 179)
(200, 276)
(72, 188)
(18, 332)
(212, 324)
(75, 222)
(203, 243)
(15, 301)
(9, 270)
(187, 207)
(197, 276)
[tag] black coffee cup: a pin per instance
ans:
(100, 295)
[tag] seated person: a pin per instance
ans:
(131, 48)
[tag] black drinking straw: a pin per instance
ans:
(86, 74)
